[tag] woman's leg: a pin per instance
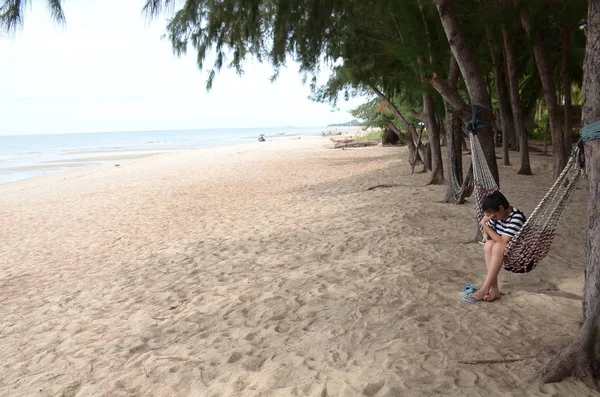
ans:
(487, 252)
(494, 255)
(497, 259)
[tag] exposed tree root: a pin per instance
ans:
(577, 360)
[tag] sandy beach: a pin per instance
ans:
(272, 270)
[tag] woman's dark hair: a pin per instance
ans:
(494, 201)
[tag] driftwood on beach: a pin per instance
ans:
(351, 142)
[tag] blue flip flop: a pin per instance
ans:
(468, 289)
(471, 299)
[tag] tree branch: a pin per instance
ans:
(418, 116)
(393, 127)
(453, 72)
(450, 95)
(389, 103)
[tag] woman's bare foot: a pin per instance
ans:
(492, 295)
(480, 295)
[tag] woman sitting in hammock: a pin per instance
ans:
(500, 223)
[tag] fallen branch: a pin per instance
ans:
(344, 140)
(354, 143)
(382, 186)
(498, 361)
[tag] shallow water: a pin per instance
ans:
(27, 156)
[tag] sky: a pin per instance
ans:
(109, 69)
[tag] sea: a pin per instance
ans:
(29, 156)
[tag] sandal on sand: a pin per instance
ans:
(468, 289)
(471, 299)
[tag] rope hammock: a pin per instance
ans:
(459, 192)
(532, 243)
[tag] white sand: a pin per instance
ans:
(270, 270)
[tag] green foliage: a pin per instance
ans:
(11, 13)
(371, 137)
(539, 131)
(393, 46)
(373, 114)
(530, 89)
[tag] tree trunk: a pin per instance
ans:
(454, 164)
(392, 135)
(549, 88)
(443, 140)
(419, 152)
(459, 141)
(433, 133)
(515, 101)
(513, 138)
(453, 141)
(416, 138)
(513, 141)
(581, 358)
(500, 84)
(426, 155)
(440, 123)
(566, 85)
(430, 119)
(465, 146)
(410, 143)
(450, 95)
(546, 133)
(478, 92)
(401, 135)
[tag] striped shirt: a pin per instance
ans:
(509, 226)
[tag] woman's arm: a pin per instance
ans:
(491, 233)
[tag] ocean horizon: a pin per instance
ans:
(29, 156)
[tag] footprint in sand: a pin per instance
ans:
(254, 364)
(235, 357)
(465, 378)
(549, 390)
(282, 328)
(71, 390)
(372, 388)
(279, 316)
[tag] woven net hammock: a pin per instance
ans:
(533, 241)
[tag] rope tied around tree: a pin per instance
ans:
(484, 183)
(468, 186)
(474, 124)
(590, 132)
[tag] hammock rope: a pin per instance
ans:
(484, 183)
(532, 243)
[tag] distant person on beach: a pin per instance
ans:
(501, 222)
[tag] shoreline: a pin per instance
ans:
(145, 159)
(37, 164)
